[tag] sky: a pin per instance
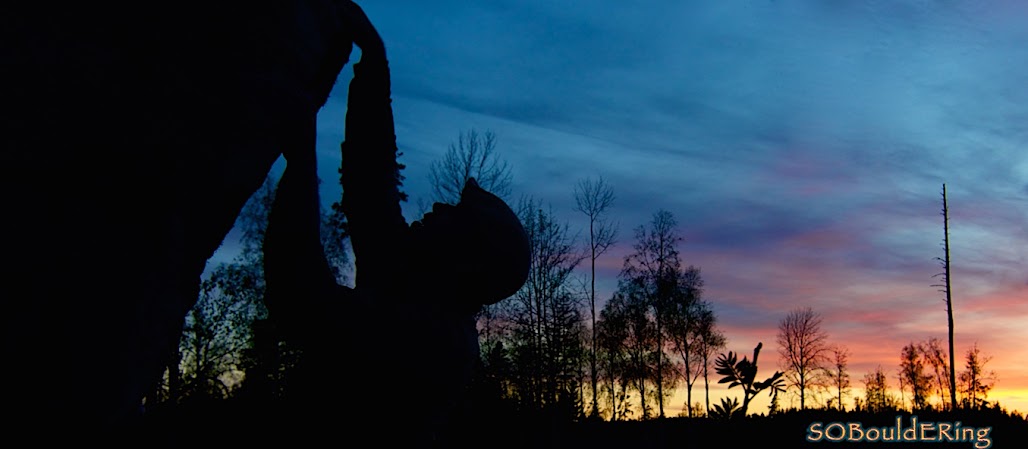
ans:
(801, 145)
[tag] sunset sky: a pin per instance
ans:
(801, 145)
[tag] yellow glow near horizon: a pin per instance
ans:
(1013, 400)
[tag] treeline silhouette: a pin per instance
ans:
(556, 369)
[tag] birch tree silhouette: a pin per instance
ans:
(594, 199)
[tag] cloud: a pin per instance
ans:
(802, 146)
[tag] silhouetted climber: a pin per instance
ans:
(402, 344)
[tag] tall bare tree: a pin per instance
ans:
(946, 288)
(474, 155)
(594, 198)
(803, 347)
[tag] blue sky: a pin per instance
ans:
(801, 145)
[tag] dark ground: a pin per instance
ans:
(241, 425)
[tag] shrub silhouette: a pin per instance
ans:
(743, 373)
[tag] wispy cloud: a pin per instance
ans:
(801, 145)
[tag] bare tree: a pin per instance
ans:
(682, 314)
(594, 198)
(473, 156)
(545, 316)
(803, 348)
(946, 288)
(711, 342)
(935, 356)
(840, 378)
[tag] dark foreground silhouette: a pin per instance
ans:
(131, 138)
(493, 428)
(406, 334)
